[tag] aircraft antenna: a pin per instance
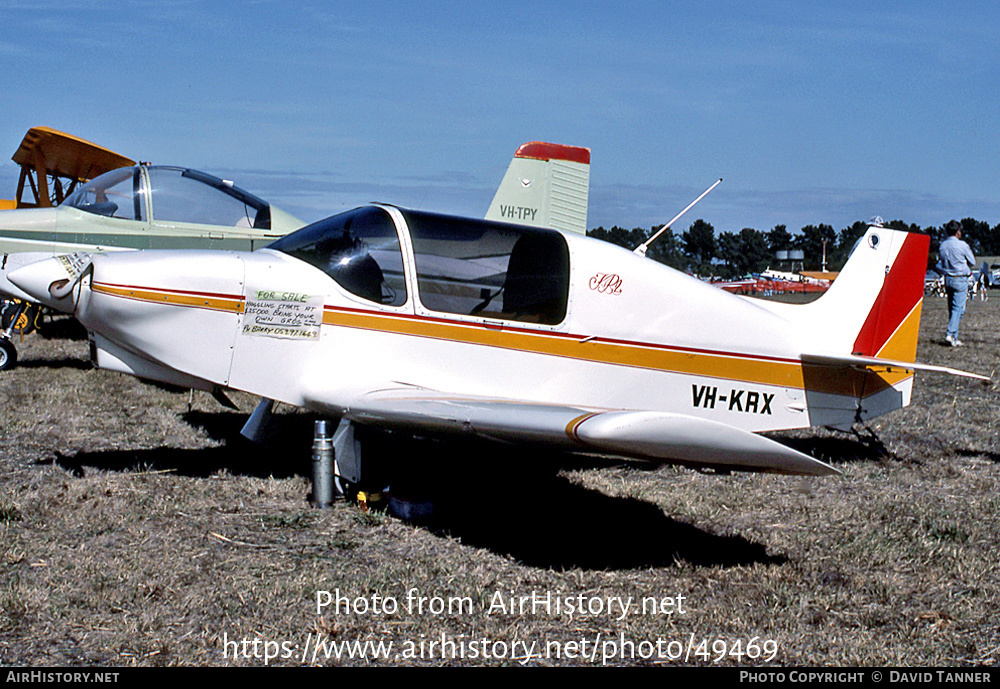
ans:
(641, 249)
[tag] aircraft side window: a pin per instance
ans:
(114, 194)
(490, 269)
(188, 196)
(359, 249)
(537, 279)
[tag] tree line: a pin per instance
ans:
(726, 254)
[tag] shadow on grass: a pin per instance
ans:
(557, 524)
(59, 329)
(841, 449)
(512, 501)
(991, 456)
(62, 328)
(285, 454)
(67, 362)
(507, 500)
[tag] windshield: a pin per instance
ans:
(359, 249)
(115, 194)
(182, 195)
(178, 195)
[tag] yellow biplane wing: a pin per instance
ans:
(50, 157)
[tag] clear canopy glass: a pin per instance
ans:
(170, 195)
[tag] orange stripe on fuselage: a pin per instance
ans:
(203, 300)
(723, 365)
(764, 370)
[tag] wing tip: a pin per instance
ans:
(692, 441)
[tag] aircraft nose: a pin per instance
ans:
(51, 280)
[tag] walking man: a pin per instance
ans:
(955, 264)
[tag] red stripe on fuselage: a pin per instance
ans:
(172, 290)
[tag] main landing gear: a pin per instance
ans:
(19, 317)
(338, 466)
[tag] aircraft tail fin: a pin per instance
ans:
(872, 309)
(546, 185)
(860, 338)
(864, 331)
(891, 327)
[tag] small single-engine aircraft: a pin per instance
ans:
(402, 319)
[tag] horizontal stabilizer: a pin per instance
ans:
(888, 364)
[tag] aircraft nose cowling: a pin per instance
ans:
(52, 281)
(178, 309)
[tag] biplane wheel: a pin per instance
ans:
(20, 320)
(8, 355)
(27, 322)
(6, 310)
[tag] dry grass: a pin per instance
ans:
(135, 531)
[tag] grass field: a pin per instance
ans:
(135, 530)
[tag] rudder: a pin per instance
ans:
(891, 328)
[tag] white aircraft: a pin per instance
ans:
(401, 319)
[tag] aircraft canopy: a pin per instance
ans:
(462, 266)
(170, 194)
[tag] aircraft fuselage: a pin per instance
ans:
(628, 333)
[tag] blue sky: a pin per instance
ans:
(811, 112)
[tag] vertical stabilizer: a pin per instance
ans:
(861, 329)
(891, 327)
(872, 309)
(546, 185)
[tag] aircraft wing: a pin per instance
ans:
(656, 436)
